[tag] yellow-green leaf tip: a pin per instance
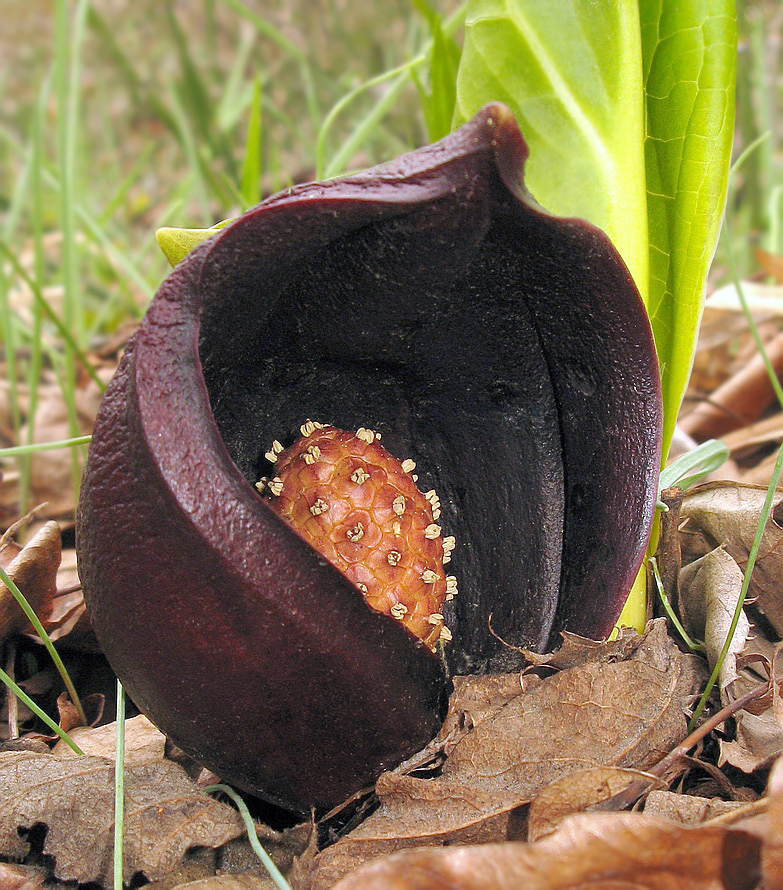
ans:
(176, 244)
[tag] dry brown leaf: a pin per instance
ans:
(228, 882)
(710, 589)
(144, 742)
(34, 571)
(758, 735)
(576, 650)
(757, 743)
(628, 713)
(165, 814)
(21, 877)
(473, 700)
(776, 677)
(285, 848)
(51, 476)
(622, 850)
(579, 792)
(688, 809)
(727, 514)
(772, 855)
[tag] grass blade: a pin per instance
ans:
(250, 186)
(119, 786)
(44, 637)
(274, 873)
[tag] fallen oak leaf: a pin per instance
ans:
(625, 850)
(165, 815)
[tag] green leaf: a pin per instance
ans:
(572, 73)
(689, 57)
(176, 244)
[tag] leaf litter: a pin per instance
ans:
(627, 713)
(165, 815)
(516, 756)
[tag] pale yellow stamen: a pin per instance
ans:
(366, 435)
(320, 506)
(356, 533)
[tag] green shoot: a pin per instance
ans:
(250, 185)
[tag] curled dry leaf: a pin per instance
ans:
(758, 742)
(577, 650)
(727, 514)
(165, 814)
(67, 616)
(618, 850)
(710, 590)
(33, 569)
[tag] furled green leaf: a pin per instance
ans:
(572, 73)
(689, 57)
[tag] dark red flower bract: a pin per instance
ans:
(505, 351)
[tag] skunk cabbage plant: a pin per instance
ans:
(504, 351)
